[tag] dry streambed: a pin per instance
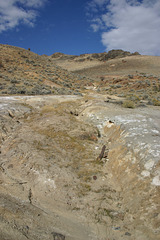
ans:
(57, 184)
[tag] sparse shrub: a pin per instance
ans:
(14, 81)
(145, 96)
(128, 104)
(1, 64)
(102, 78)
(130, 76)
(156, 102)
(156, 88)
(133, 98)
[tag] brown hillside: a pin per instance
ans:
(24, 72)
(133, 76)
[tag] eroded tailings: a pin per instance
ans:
(132, 167)
(140, 195)
(68, 171)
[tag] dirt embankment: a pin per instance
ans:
(53, 183)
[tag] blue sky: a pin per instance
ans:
(81, 26)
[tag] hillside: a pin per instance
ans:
(133, 76)
(24, 72)
(79, 146)
(117, 72)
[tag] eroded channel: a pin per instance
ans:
(53, 187)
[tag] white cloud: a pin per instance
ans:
(96, 24)
(33, 3)
(130, 25)
(99, 2)
(15, 12)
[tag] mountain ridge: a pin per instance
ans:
(118, 53)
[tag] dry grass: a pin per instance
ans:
(47, 109)
(128, 104)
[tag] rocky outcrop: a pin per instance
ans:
(95, 56)
(57, 55)
(111, 55)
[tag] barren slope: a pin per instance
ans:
(125, 66)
